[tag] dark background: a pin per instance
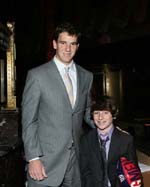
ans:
(114, 32)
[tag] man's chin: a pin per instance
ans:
(67, 61)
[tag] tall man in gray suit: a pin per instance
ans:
(52, 126)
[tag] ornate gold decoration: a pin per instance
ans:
(11, 70)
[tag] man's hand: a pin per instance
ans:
(36, 170)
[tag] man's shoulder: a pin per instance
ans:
(84, 70)
(41, 67)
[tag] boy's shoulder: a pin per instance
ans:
(122, 131)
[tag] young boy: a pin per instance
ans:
(98, 170)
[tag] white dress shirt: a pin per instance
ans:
(72, 73)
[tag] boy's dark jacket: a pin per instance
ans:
(91, 165)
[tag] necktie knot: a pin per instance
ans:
(67, 70)
(103, 141)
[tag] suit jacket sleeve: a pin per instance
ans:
(132, 151)
(87, 116)
(30, 102)
(129, 148)
(133, 156)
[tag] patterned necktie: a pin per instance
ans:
(69, 86)
(103, 142)
(103, 151)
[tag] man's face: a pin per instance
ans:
(103, 119)
(66, 47)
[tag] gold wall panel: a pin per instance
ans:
(11, 71)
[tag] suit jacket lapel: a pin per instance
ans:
(53, 70)
(113, 150)
(80, 83)
(95, 144)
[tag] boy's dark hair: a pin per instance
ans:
(66, 27)
(105, 103)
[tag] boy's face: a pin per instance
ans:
(103, 120)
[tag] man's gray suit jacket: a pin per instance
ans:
(48, 121)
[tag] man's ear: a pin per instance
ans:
(54, 44)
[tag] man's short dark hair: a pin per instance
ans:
(68, 27)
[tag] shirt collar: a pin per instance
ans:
(109, 133)
(61, 66)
